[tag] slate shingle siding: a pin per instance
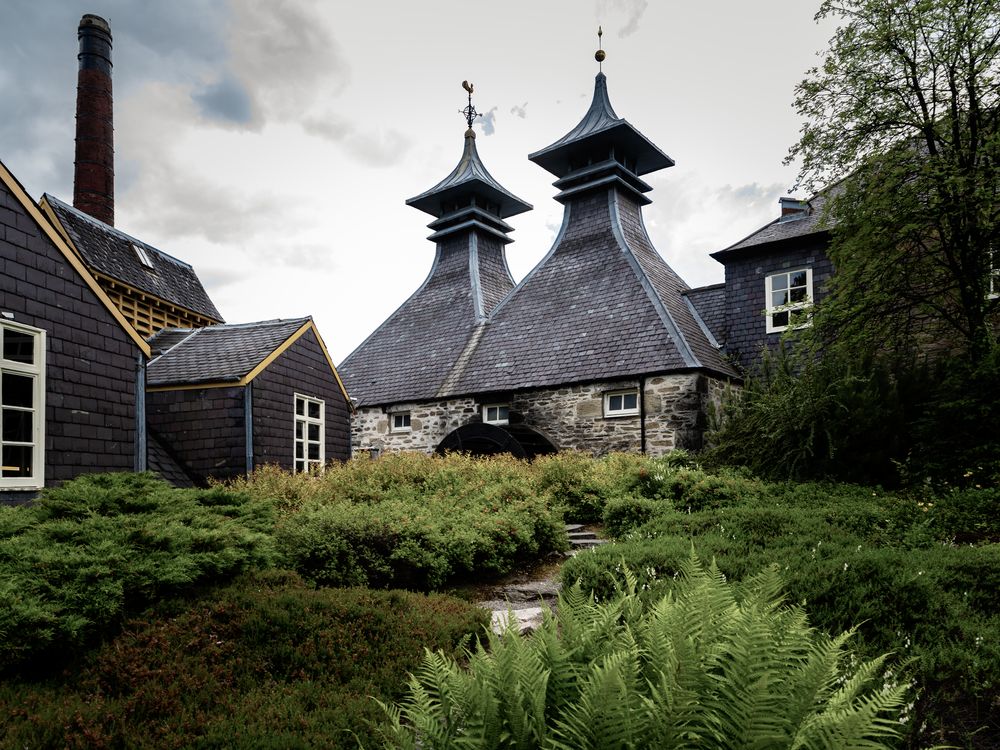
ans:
(746, 327)
(90, 363)
(204, 428)
(303, 369)
(494, 275)
(710, 302)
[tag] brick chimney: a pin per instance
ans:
(94, 176)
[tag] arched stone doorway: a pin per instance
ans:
(480, 439)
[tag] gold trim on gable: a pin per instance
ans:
(56, 238)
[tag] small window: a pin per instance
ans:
(994, 273)
(621, 403)
(310, 433)
(789, 297)
(142, 255)
(401, 422)
(496, 413)
(22, 407)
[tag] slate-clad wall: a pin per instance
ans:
(746, 331)
(303, 369)
(90, 360)
(204, 427)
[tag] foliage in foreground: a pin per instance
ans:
(919, 574)
(708, 665)
(264, 662)
(84, 556)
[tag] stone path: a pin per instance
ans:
(527, 596)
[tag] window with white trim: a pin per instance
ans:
(789, 297)
(310, 433)
(496, 413)
(621, 403)
(142, 255)
(401, 421)
(22, 406)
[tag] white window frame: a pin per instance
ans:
(305, 420)
(994, 286)
(497, 419)
(405, 421)
(36, 370)
(792, 307)
(143, 255)
(622, 410)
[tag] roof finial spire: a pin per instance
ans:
(599, 55)
(470, 111)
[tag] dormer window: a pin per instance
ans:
(142, 255)
(496, 413)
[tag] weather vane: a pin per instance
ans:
(470, 111)
(599, 55)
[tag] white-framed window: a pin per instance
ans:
(142, 255)
(400, 421)
(621, 403)
(496, 413)
(310, 433)
(22, 406)
(789, 296)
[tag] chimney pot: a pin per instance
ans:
(94, 175)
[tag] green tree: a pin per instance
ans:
(903, 119)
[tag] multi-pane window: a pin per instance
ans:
(496, 413)
(789, 295)
(995, 272)
(310, 433)
(22, 406)
(401, 422)
(621, 403)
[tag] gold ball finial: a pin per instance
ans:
(599, 55)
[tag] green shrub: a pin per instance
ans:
(83, 556)
(265, 662)
(707, 666)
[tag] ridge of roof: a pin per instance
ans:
(776, 230)
(113, 230)
(469, 172)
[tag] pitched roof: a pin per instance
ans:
(161, 461)
(216, 354)
(57, 239)
(600, 125)
(781, 229)
(603, 304)
(470, 175)
(709, 304)
(111, 252)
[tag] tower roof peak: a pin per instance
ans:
(599, 136)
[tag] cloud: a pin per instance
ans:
(378, 148)
(488, 123)
(632, 9)
(225, 100)
(521, 110)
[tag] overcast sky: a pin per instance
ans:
(272, 143)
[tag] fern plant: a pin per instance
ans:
(710, 665)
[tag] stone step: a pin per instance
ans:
(525, 620)
(586, 543)
(574, 526)
(582, 535)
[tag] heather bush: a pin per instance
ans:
(264, 662)
(75, 563)
(707, 665)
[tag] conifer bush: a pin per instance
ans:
(708, 665)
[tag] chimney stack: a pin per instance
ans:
(793, 208)
(94, 177)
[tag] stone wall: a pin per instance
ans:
(571, 417)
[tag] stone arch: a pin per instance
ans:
(481, 439)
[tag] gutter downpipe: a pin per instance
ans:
(642, 414)
(248, 425)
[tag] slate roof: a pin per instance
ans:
(603, 304)
(780, 230)
(216, 354)
(709, 303)
(470, 175)
(109, 251)
(162, 462)
(600, 126)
